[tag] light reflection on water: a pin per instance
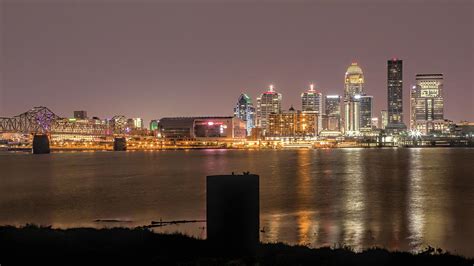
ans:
(394, 198)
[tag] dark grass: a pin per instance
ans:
(33, 245)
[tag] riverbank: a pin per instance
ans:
(84, 246)
(89, 149)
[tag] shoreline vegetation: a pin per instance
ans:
(140, 246)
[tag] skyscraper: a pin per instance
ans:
(427, 104)
(366, 111)
(354, 87)
(312, 102)
(154, 124)
(267, 103)
(245, 110)
(333, 112)
(395, 95)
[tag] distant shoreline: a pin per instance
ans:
(53, 149)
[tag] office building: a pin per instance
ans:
(366, 112)
(312, 102)
(245, 110)
(154, 124)
(332, 113)
(292, 124)
(267, 103)
(395, 95)
(427, 104)
(202, 128)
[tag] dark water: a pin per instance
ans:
(394, 198)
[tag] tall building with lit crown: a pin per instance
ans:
(333, 112)
(354, 87)
(366, 111)
(245, 110)
(427, 104)
(267, 103)
(312, 102)
(395, 95)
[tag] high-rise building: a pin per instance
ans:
(245, 110)
(354, 81)
(292, 124)
(366, 111)
(353, 89)
(333, 112)
(154, 124)
(312, 102)
(383, 119)
(267, 103)
(427, 104)
(80, 114)
(395, 95)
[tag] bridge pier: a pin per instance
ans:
(120, 144)
(41, 144)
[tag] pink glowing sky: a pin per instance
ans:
(153, 59)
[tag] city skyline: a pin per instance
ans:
(144, 76)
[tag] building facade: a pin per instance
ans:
(202, 128)
(245, 110)
(267, 103)
(395, 95)
(383, 119)
(427, 104)
(293, 124)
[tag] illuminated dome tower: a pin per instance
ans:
(354, 81)
(353, 89)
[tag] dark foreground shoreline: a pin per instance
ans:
(87, 246)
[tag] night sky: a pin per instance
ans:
(154, 59)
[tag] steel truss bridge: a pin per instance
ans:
(41, 120)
